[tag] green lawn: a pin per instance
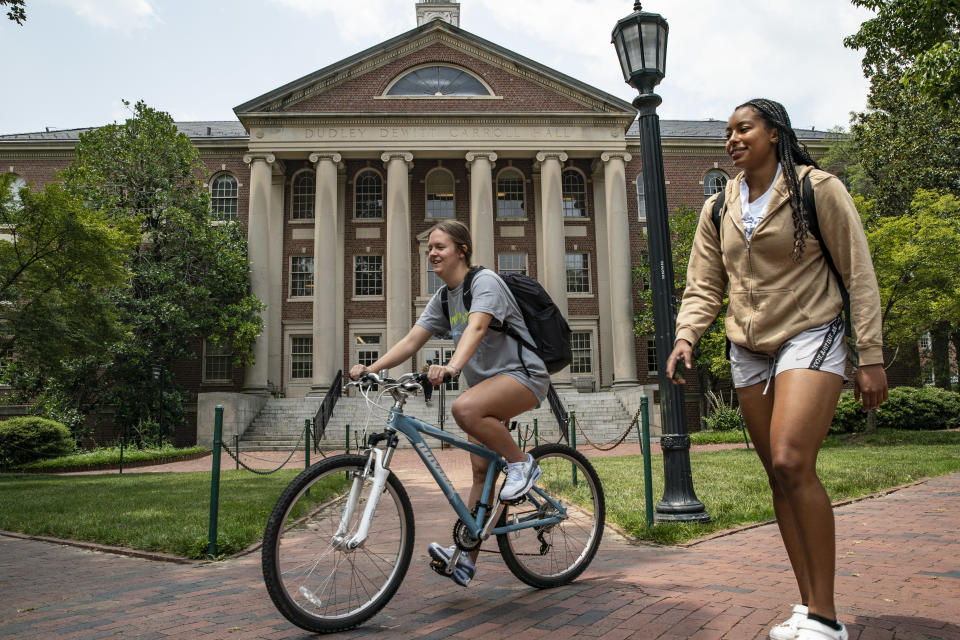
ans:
(108, 456)
(733, 487)
(169, 511)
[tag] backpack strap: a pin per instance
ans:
(467, 292)
(717, 209)
(813, 223)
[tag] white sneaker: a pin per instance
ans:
(787, 630)
(814, 630)
(521, 477)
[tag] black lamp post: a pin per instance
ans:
(641, 42)
(157, 371)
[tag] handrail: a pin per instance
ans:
(326, 409)
(560, 413)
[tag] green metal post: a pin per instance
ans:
(306, 447)
(522, 447)
(573, 442)
(215, 482)
(536, 434)
(347, 446)
(236, 450)
(122, 442)
(647, 474)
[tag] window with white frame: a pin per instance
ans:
(582, 361)
(224, 195)
(368, 275)
(714, 182)
(578, 272)
(216, 362)
(368, 195)
(16, 185)
(440, 189)
(301, 357)
(651, 355)
(301, 276)
(304, 195)
(433, 280)
(512, 263)
(574, 194)
(368, 348)
(510, 195)
(641, 199)
(925, 341)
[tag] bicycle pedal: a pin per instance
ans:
(440, 567)
(515, 501)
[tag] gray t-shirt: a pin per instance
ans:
(497, 352)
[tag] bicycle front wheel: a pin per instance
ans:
(312, 575)
(555, 554)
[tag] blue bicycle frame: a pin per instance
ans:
(413, 429)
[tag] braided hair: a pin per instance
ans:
(790, 153)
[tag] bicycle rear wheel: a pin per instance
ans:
(556, 554)
(315, 581)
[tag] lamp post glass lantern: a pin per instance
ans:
(641, 43)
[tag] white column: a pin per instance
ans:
(621, 280)
(275, 227)
(552, 266)
(397, 269)
(481, 166)
(324, 266)
(605, 337)
(258, 249)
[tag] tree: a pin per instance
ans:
(914, 42)
(60, 262)
(916, 258)
(709, 355)
(17, 12)
(190, 275)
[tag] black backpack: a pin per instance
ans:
(547, 326)
(810, 205)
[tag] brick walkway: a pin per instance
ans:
(898, 577)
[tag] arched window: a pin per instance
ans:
(368, 195)
(641, 199)
(224, 196)
(304, 195)
(510, 194)
(714, 182)
(440, 187)
(574, 194)
(438, 80)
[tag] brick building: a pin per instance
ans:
(338, 176)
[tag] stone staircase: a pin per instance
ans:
(279, 424)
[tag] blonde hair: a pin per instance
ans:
(459, 233)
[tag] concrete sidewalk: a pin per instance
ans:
(898, 577)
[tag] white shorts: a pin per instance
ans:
(820, 349)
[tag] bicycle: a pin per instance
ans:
(339, 541)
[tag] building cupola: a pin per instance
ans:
(446, 10)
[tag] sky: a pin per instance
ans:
(74, 61)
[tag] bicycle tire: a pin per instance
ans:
(318, 585)
(546, 557)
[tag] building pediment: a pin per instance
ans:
(359, 84)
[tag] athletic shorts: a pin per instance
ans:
(819, 349)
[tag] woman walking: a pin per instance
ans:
(502, 384)
(784, 324)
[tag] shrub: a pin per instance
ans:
(32, 438)
(909, 408)
(849, 416)
(723, 417)
(920, 409)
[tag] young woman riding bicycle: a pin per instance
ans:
(501, 384)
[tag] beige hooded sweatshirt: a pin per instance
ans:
(773, 298)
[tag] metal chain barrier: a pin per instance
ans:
(525, 434)
(261, 472)
(613, 444)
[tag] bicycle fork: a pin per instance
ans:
(380, 474)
